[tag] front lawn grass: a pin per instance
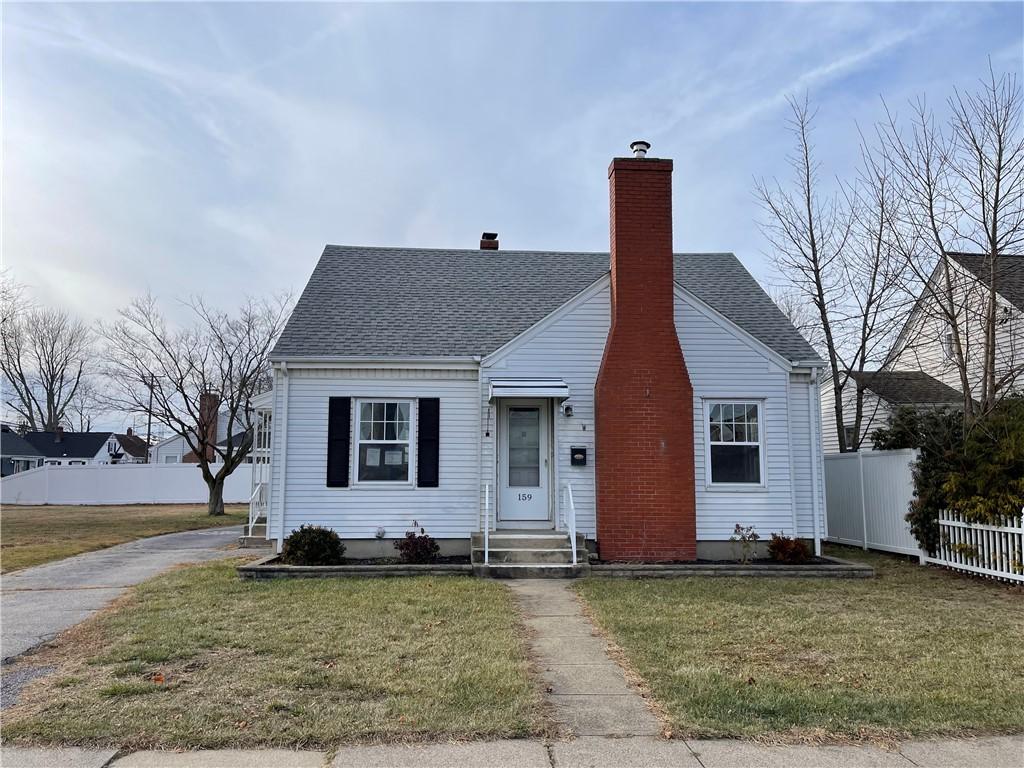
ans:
(201, 659)
(34, 535)
(915, 652)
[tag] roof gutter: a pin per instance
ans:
(461, 362)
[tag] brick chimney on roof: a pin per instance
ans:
(646, 505)
(209, 404)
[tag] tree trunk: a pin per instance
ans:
(215, 507)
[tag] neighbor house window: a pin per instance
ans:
(383, 432)
(170, 459)
(948, 348)
(734, 442)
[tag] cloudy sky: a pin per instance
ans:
(186, 148)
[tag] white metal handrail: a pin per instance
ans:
(569, 518)
(257, 509)
(487, 524)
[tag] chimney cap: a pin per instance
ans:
(639, 148)
(489, 236)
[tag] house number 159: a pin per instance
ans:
(526, 497)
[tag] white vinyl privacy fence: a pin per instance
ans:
(120, 484)
(867, 495)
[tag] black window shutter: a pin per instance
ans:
(428, 442)
(339, 433)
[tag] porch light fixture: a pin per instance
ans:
(567, 410)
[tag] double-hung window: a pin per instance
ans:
(383, 440)
(735, 442)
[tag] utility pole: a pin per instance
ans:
(149, 421)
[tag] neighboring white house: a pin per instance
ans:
(454, 390)
(884, 392)
(925, 343)
(63, 448)
(921, 370)
(175, 449)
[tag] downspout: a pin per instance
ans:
(479, 436)
(815, 447)
(284, 454)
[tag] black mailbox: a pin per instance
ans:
(578, 456)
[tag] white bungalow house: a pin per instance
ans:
(647, 402)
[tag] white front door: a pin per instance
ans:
(524, 437)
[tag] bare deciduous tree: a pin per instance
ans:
(831, 250)
(44, 354)
(215, 365)
(873, 299)
(85, 406)
(961, 190)
(808, 232)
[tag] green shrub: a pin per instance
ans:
(981, 476)
(988, 485)
(313, 545)
(787, 550)
(417, 549)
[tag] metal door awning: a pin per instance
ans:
(529, 388)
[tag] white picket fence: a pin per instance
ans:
(996, 551)
(866, 498)
(94, 484)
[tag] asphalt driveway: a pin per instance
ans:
(38, 603)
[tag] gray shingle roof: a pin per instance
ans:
(13, 444)
(73, 445)
(909, 388)
(1009, 274)
(418, 302)
(133, 445)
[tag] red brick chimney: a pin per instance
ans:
(209, 404)
(646, 506)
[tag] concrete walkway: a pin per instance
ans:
(38, 603)
(588, 692)
(584, 752)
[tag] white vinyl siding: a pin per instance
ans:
(569, 348)
(722, 364)
(355, 512)
(922, 344)
(874, 416)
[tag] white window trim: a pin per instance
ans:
(706, 404)
(413, 423)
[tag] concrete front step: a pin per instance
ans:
(524, 540)
(524, 571)
(529, 556)
(254, 542)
